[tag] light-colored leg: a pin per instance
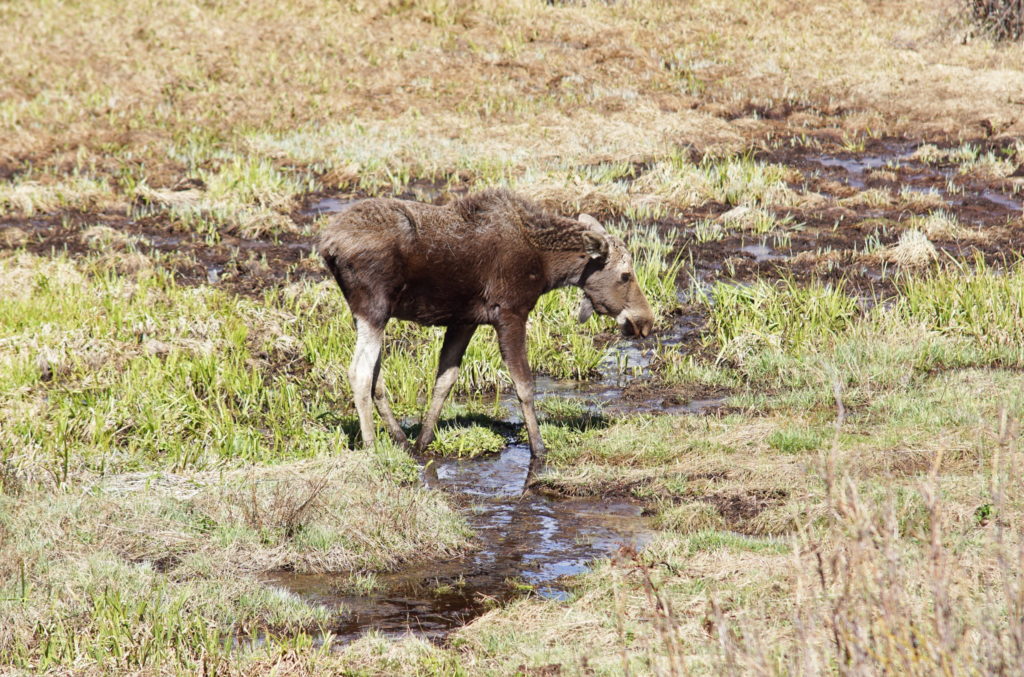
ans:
(512, 341)
(456, 339)
(380, 398)
(360, 375)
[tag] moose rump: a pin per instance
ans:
(484, 259)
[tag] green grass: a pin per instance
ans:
(467, 442)
(743, 318)
(144, 371)
(795, 440)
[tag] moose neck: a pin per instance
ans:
(563, 268)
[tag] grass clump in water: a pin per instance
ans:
(468, 442)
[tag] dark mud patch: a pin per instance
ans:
(240, 265)
(739, 510)
(525, 546)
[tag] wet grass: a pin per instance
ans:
(192, 377)
(215, 425)
(193, 436)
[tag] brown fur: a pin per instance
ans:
(483, 259)
(462, 263)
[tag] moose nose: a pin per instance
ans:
(639, 326)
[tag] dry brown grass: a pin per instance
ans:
(121, 85)
(913, 249)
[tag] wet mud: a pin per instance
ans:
(827, 238)
(526, 545)
(241, 265)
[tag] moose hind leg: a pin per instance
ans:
(380, 398)
(456, 339)
(360, 374)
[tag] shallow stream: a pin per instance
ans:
(525, 546)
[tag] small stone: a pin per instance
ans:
(45, 367)
(102, 237)
(736, 214)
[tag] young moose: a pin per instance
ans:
(483, 259)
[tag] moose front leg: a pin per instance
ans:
(512, 341)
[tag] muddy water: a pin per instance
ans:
(526, 546)
(855, 171)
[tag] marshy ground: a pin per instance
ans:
(812, 466)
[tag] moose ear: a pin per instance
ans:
(591, 222)
(595, 244)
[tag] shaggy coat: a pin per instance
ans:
(483, 259)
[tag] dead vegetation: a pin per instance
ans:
(1000, 19)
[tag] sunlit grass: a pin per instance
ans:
(785, 315)
(28, 197)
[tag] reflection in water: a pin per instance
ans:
(525, 543)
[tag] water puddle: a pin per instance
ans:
(857, 167)
(915, 176)
(329, 205)
(761, 252)
(162, 240)
(526, 546)
(1001, 200)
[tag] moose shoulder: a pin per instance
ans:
(483, 259)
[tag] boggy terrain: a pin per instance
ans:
(812, 466)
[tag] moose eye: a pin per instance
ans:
(626, 277)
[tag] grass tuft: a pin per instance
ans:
(468, 442)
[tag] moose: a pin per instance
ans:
(482, 259)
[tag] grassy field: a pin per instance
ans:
(824, 207)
